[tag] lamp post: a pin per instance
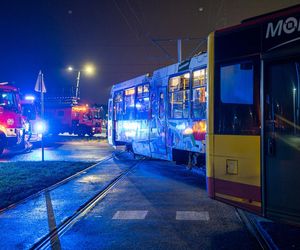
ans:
(88, 69)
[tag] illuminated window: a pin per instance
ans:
(199, 78)
(129, 96)
(199, 94)
(142, 102)
(179, 96)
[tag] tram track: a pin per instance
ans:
(256, 231)
(47, 189)
(51, 239)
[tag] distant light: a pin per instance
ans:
(40, 127)
(89, 69)
(70, 68)
(29, 98)
(201, 9)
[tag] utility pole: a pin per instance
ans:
(179, 50)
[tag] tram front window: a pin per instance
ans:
(237, 99)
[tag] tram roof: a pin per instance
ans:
(131, 82)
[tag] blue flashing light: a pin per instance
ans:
(40, 127)
(29, 98)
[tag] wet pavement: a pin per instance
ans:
(65, 148)
(159, 206)
(156, 206)
(22, 226)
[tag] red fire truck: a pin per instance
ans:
(13, 126)
(65, 116)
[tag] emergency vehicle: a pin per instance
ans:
(13, 127)
(65, 115)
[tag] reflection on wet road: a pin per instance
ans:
(65, 148)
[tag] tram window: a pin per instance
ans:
(161, 105)
(237, 83)
(179, 96)
(199, 103)
(199, 94)
(118, 105)
(110, 110)
(129, 104)
(237, 98)
(199, 78)
(142, 102)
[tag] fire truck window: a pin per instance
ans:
(8, 100)
(179, 96)
(129, 97)
(142, 102)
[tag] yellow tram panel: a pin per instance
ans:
(237, 159)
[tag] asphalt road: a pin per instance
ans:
(65, 148)
(157, 205)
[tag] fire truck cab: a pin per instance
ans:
(12, 123)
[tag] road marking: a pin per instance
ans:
(55, 242)
(130, 215)
(192, 215)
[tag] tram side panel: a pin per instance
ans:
(164, 118)
(187, 112)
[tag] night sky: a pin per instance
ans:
(123, 38)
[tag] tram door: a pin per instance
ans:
(110, 123)
(282, 140)
(158, 124)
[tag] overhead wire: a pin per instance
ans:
(124, 17)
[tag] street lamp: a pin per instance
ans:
(88, 69)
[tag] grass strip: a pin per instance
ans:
(19, 180)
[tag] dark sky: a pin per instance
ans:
(116, 35)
